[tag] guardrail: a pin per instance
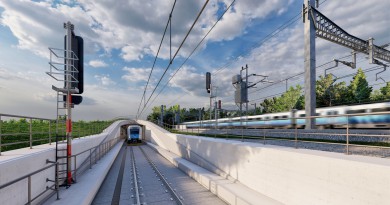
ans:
(343, 139)
(17, 131)
(53, 187)
(95, 154)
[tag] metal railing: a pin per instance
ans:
(17, 131)
(22, 132)
(95, 154)
(53, 187)
(344, 139)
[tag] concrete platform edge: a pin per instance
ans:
(83, 192)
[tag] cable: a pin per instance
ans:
(197, 46)
(155, 59)
(174, 56)
(265, 39)
(349, 75)
(262, 42)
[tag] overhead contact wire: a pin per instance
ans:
(174, 56)
(193, 51)
(155, 59)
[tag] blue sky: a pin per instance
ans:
(121, 39)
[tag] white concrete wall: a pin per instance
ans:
(17, 163)
(291, 176)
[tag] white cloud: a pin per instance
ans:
(105, 80)
(190, 81)
(35, 32)
(50, 96)
(97, 63)
(130, 53)
(136, 74)
(125, 25)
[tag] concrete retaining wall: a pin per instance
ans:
(17, 163)
(291, 176)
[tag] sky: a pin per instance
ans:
(122, 37)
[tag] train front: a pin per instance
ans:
(134, 132)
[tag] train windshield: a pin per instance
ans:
(134, 131)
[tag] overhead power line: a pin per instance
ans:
(155, 59)
(174, 56)
(192, 52)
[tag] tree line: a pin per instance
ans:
(328, 93)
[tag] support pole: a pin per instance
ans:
(69, 29)
(310, 65)
(211, 96)
(215, 115)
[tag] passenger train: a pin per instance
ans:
(328, 117)
(134, 134)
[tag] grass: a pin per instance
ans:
(229, 136)
(16, 134)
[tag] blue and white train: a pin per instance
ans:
(134, 134)
(329, 117)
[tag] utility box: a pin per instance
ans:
(241, 93)
(236, 79)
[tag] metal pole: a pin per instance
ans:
(29, 190)
(211, 95)
(215, 116)
(90, 158)
(49, 132)
(69, 29)
(57, 183)
(296, 137)
(0, 133)
(246, 100)
(30, 133)
(310, 66)
(75, 168)
(347, 148)
(264, 136)
(286, 85)
(242, 129)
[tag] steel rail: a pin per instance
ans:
(135, 176)
(170, 189)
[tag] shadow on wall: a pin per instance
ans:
(220, 156)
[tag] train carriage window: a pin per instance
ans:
(382, 109)
(284, 116)
(276, 117)
(302, 115)
(355, 111)
(267, 118)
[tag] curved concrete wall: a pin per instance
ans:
(17, 163)
(291, 176)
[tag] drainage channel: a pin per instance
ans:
(139, 175)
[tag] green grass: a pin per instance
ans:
(225, 136)
(18, 132)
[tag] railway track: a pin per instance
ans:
(142, 180)
(139, 175)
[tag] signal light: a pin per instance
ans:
(208, 82)
(78, 49)
(76, 99)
